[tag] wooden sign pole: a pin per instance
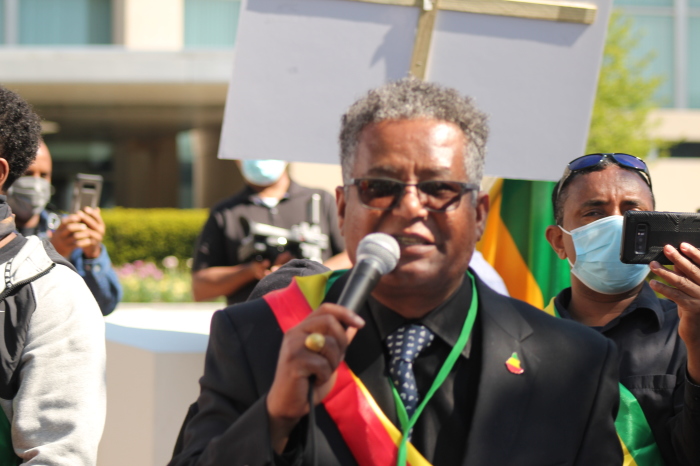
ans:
(570, 12)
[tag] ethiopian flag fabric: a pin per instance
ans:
(369, 434)
(514, 241)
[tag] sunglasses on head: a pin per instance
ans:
(434, 195)
(593, 160)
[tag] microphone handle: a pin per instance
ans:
(363, 279)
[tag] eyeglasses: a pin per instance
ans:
(592, 160)
(434, 195)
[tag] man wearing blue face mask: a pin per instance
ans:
(270, 198)
(658, 339)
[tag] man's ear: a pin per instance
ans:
(340, 206)
(483, 204)
(4, 174)
(555, 237)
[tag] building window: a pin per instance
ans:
(656, 40)
(211, 23)
(2, 21)
(643, 3)
(671, 31)
(65, 22)
(653, 27)
(694, 57)
(686, 149)
(185, 158)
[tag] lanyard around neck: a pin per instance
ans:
(406, 423)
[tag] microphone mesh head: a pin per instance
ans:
(382, 248)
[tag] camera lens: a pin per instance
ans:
(640, 240)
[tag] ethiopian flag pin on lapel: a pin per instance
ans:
(513, 364)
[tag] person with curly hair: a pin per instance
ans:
(52, 346)
(19, 134)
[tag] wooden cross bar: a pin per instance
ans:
(571, 12)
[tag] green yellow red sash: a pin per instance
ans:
(636, 438)
(370, 435)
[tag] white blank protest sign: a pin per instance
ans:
(300, 63)
(536, 80)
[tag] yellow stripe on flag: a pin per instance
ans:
(551, 308)
(314, 288)
(499, 250)
(628, 460)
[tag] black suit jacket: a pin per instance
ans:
(559, 412)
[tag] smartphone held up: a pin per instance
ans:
(87, 190)
(644, 235)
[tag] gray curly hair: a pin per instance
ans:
(411, 98)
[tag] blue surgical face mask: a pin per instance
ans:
(598, 264)
(263, 172)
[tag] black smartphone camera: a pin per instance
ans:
(644, 235)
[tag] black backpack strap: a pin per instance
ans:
(17, 305)
(16, 310)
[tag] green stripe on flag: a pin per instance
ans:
(634, 431)
(637, 440)
(526, 211)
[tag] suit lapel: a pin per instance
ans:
(503, 396)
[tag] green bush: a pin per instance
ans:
(151, 234)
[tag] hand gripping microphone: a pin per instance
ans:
(377, 255)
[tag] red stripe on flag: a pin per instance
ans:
(289, 305)
(358, 424)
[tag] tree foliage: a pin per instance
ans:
(625, 96)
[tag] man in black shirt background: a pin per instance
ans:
(520, 388)
(658, 340)
(270, 197)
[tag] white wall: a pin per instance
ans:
(676, 184)
(155, 357)
(316, 175)
(153, 24)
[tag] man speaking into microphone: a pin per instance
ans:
(434, 368)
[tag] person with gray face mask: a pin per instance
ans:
(77, 237)
(29, 196)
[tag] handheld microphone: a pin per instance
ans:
(377, 255)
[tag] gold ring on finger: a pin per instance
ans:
(315, 342)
